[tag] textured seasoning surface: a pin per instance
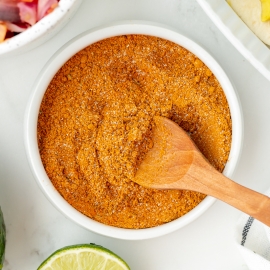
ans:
(95, 123)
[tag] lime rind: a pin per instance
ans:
(2, 239)
(98, 250)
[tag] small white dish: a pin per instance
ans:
(238, 33)
(41, 31)
(43, 80)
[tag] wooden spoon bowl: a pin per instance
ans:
(175, 162)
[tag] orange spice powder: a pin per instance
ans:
(95, 123)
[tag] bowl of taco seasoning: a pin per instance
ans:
(89, 120)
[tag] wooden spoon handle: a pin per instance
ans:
(211, 182)
(248, 201)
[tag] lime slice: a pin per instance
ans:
(84, 257)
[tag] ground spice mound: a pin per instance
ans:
(95, 122)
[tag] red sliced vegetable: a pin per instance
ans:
(17, 28)
(9, 11)
(18, 15)
(28, 12)
(45, 7)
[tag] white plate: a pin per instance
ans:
(237, 32)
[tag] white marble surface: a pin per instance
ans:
(35, 228)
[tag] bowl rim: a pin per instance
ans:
(39, 29)
(53, 65)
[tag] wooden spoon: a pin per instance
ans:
(175, 162)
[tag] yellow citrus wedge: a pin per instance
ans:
(265, 13)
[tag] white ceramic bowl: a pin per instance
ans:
(60, 57)
(42, 30)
